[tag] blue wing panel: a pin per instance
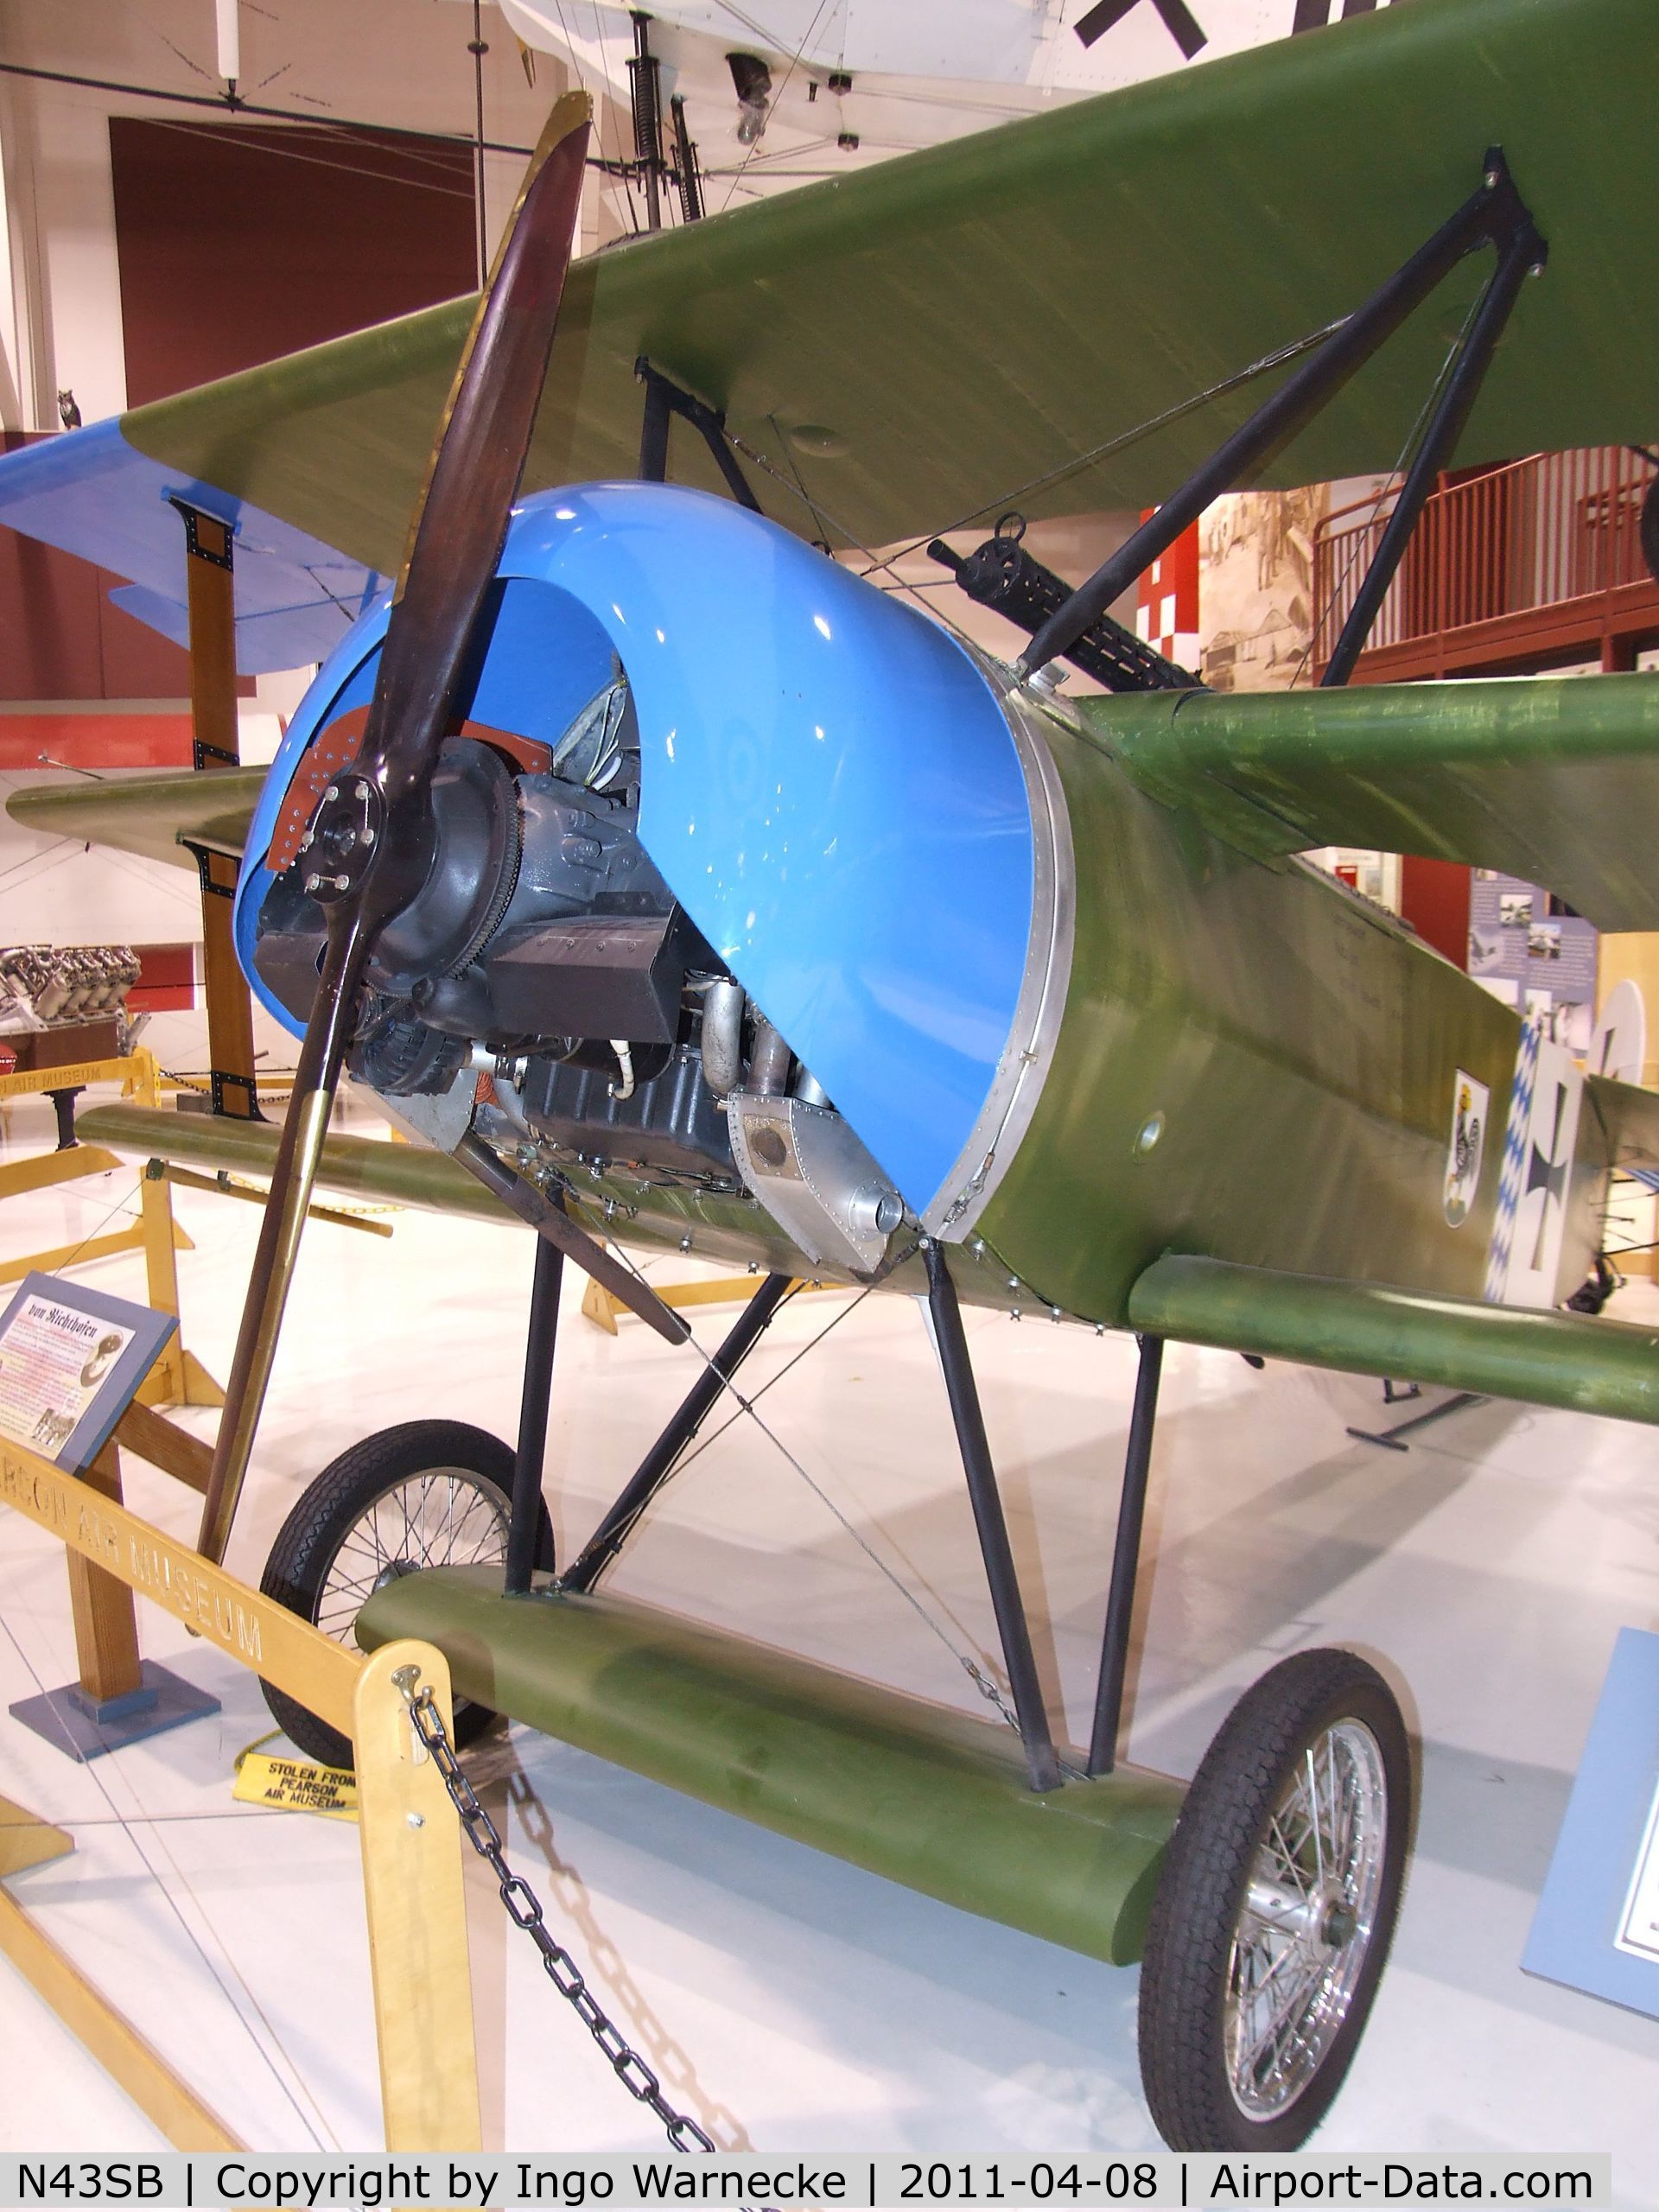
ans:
(828, 787)
(89, 492)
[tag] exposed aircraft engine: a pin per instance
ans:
(772, 922)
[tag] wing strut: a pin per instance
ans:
(1495, 214)
(1521, 253)
(952, 1342)
(664, 400)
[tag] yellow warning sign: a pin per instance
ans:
(296, 1786)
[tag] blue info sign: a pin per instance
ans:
(1597, 1925)
(71, 1362)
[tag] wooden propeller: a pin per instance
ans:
(369, 838)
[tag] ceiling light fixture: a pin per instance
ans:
(752, 81)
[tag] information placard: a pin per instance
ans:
(1597, 1926)
(71, 1362)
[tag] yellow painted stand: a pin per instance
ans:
(222, 1185)
(417, 1920)
(410, 1839)
(178, 1377)
(159, 2093)
(600, 1307)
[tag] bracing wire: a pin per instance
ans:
(978, 1673)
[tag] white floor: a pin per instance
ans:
(792, 2003)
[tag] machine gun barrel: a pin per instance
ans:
(1000, 573)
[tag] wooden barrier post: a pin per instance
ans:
(119, 1698)
(105, 1618)
(417, 1921)
(409, 1836)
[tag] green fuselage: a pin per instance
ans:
(1294, 1049)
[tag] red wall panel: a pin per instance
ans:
(236, 243)
(1435, 899)
(239, 242)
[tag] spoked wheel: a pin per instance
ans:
(427, 1493)
(1275, 1907)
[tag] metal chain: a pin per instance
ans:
(525, 1911)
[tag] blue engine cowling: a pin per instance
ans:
(832, 795)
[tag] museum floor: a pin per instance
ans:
(790, 2002)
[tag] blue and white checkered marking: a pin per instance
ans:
(1512, 1173)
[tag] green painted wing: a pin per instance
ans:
(147, 814)
(1554, 781)
(1544, 1359)
(951, 325)
(357, 1167)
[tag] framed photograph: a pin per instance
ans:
(71, 1362)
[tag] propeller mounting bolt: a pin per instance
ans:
(305, 842)
(332, 792)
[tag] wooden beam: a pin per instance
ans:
(417, 1919)
(61, 1256)
(106, 1621)
(208, 571)
(27, 1841)
(158, 1443)
(254, 1630)
(160, 2093)
(45, 1168)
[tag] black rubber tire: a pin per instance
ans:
(1223, 1821)
(309, 1542)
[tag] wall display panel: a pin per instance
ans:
(1534, 953)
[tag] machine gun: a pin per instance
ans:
(1002, 575)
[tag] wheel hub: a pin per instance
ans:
(1306, 1925)
(1324, 1920)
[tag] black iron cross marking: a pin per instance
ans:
(1314, 14)
(1178, 22)
(1548, 1175)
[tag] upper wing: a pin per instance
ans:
(918, 343)
(1551, 781)
(150, 816)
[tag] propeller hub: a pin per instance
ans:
(343, 839)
